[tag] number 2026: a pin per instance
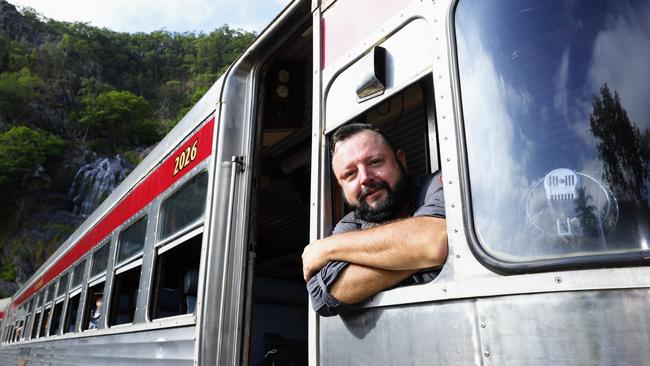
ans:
(185, 157)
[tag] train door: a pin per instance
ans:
(255, 305)
(388, 71)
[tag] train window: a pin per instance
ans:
(37, 316)
(184, 207)
(70, 317)
(93, 308)
(176, 278)
(125, 294)
(557, 129)
(56, 316)
(127, 274)
(70, 322)
(45, 321)
(131, 240)
(63, 285)
(78, 273)
(29, 309)
(100, 260)
(49, 293)
(95, 292)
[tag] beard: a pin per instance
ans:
(391, 207)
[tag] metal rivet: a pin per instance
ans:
(448, 159)
(458, 256)
(558, 279)
(452, 205)
(482, 325)
(444, 289)
(449, 182)
(455, 230)
(445, 137)
(486, 354)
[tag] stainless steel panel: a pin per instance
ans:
(429, 334)
(406, 61)
(173, 346)
(571, 328)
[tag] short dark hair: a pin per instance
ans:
(349, 130)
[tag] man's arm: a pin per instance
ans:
(356, 283)
(410, 244)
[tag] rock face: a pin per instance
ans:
(95, 181)
(15, 26)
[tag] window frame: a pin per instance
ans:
(500, 266)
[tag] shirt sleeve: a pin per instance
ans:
(431, 200)
(347, 223)
(319, 286)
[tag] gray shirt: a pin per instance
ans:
(428, 201)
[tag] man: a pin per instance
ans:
(397, 227)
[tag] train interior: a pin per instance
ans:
(280, 210)
(278, 301)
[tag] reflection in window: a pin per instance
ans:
(100, 260)
(132, 239)
(63, 285)
(557, 125)
(78, 273)
(185, 206)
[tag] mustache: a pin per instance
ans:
(374, 186)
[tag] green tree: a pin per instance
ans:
(120, 118)
(17, 91)
(620, 144)
(21, 149)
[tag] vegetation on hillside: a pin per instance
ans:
(72, 90)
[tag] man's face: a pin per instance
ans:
(372, 177)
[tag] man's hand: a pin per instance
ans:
(314, 257)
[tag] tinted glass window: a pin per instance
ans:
(63, 285)
(557, 125)
(78, 273)
(100, 259)
(132, 239)
(185, 206)
(49, 293)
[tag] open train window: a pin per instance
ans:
(407, 120)
(47, 310)
(59, 301)
(37, 315)
(95, 292)
(176, 277)
(127, 273)
(70, 321)
(29, 308)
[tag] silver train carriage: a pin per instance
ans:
(536, 114)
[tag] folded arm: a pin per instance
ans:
(410, 244)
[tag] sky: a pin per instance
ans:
(150, 15)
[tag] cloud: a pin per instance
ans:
(620, 59)
(172, 15)
(495, 146)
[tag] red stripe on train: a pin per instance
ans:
(348, 22)
(148, 189)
